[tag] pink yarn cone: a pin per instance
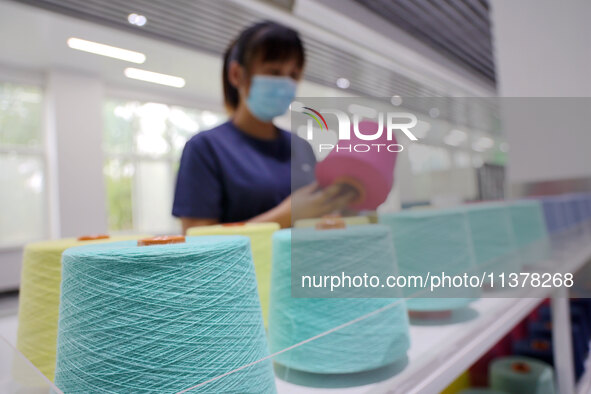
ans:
(371, 172)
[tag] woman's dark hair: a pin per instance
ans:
(268, 41)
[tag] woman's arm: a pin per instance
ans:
(307, 202)
(281, 214)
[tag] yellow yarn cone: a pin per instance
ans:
(260, 243)
(349, 221)
(39, 299)
(462, 382)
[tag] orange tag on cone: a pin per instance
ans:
(92, 237)
(161, 240)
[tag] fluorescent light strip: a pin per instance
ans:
(106, 50)
(455, 137)
(149, 76)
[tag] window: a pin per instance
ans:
(143, 143)
(462, 159)
(427, 158)
(22, 165)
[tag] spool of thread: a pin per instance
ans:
(569, 207)
(586, 197)
(559, 214)
(373, 342)
(433, 241)
(349, 221)
(552, 214)
(161, 318)
(493, 240)
(587, 203)
(370, 173)
(579, 206)
(529, 228)
(260, 242)
(521, 375)
(40, 294)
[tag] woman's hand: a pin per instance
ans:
(312, 202)
(308, 202)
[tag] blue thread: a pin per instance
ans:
(161, 319)
(493, 240)
(507, 376)
(433, 241)
(374, 342)
(531, 237)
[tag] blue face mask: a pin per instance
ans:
(270, 96)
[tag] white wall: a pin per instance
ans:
(542, 50)
(74, 124)
(542, 47)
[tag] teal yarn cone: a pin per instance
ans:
(376, 341)
(493, 240)
(521, 375)
(161, 319)
(529, 227)
(433, 241)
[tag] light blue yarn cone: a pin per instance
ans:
(433, 241)
(374, 342)
(529, 228)
(555, 213)
(493, 240)
(539, 378)
(161, 319)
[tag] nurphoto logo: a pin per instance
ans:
(380, 135)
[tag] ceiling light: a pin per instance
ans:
(455, 137)
(343, 83)
(106, 50)
(149, 76)
(396, 100)
(486, 142)
(136, 19)
(421, 129)
(482, 144)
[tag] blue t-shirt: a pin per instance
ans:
(230, 176)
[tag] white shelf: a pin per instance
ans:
(440, 353)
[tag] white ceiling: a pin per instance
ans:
(37, 44)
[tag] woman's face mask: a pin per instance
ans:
(270, 96)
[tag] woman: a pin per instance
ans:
(245, 169)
